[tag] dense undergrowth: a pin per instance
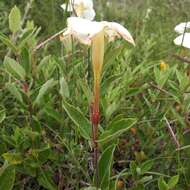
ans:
(45, 97)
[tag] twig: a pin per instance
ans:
(184, 59)
(172, 133)
(158, 88)
(48, 40)
(27, 8)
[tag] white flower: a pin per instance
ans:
(183, 39)
(84, 30)
(82, 8)
(114, 29)
(180, 28)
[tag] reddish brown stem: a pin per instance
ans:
(95, 119)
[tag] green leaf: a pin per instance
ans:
(2, 114)
(14, 68)
(45, 180)
(8, 42)
(43, 153)
(116, 128)
(162, 185)
(173, 181)
(51, 112)
(145, 179)
(78, 118)
(64, 89)
(15, 19)
(146, 166)
(47, 67)
(133, 168)
(105, 165)
(14, 91)
(13, 158)
(25, 60)
(25, 39)
(45, 88)
(7, 177)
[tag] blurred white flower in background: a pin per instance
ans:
(180, 28)
(183, 39)
(82, 8)
(148, 12)
(84, 30)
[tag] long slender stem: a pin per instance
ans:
(172, 133)
(48, 40)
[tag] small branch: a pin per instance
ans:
(27, 8)
(172, 133)
(48, 40)
(158, 88)
(184, 59)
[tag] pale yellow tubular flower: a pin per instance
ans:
(84, 30)
(97, 63)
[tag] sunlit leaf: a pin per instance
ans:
(15, 19)
(7, 177)
(79, 119)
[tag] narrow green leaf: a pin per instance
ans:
(14, 69)
(105, 165)
(133, 168)
(8, 42)
(162, 185)
(7, 177)
(173, 181)
(145, 179)
(45, 180)
(146, 166)
(14, 91)
(44, 90)
(2, 114)
(79, 119)
(64, 89)
(25, 60)
(51, 112)
(13, 158)
(116, 128)
(15, 19)
(90, 188)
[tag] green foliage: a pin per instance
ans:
(105, 165)
(14, 69)
(7, 177)
(45, 129)
(170, 185)
(15, 20)
(79, 119)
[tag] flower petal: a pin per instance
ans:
(183, 40)
(88, 14)
(180, 28)
(114, 29)
(68, 7)
(82, 29)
